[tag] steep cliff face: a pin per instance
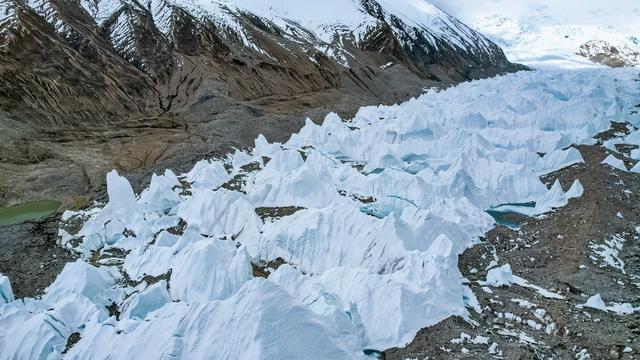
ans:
(77, 70)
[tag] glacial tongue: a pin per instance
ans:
(357, 226)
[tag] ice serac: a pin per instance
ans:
(576, 190)
(357, 226)
(207, 174)
(261, 321)
(228, 269)
(81, 279)
(614, 162)
(554, 198)
(121, 213)
(500, 276)
(221, 213)
(414, 288)
(150, 299)
(6, 293)
(596, 302)
(162, 192)
(559, 159)
(78, 298)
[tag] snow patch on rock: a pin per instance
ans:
(596, 302)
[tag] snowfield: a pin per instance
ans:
(378, 209)
(538, 43)
(551, 33)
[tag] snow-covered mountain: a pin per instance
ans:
(551, 33)
(533, 43)
(329, 27)
(146, 32)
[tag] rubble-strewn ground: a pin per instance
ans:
(562, 252)
(30, 255)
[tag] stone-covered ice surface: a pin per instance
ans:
(503, 276)
(614, 162)
(596, 302)
(372, 214)
(500, 276)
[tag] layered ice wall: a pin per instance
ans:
(357, 224)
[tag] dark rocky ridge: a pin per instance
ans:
(79, 97)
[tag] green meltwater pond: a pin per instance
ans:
(512, 216)
(28, 211)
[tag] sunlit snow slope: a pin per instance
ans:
(571, 33)
(372, 214)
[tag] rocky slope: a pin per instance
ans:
(87, 86)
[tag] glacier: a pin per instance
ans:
(381, 207)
